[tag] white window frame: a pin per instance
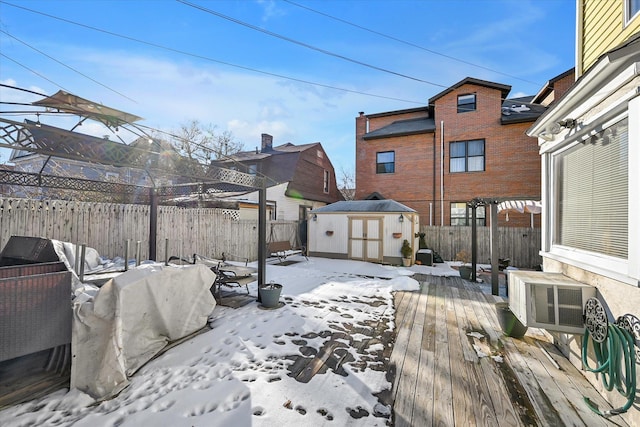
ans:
(609, 266)
(628, 16)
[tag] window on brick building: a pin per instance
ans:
(461, 214)
(386, 162)
(326, 181)
(466, 156)
(466, 103)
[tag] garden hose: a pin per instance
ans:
(613, 351)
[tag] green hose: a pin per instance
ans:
(611, 355)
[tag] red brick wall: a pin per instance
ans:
(512, 162)
(562, 86)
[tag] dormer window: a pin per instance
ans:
(466, 103)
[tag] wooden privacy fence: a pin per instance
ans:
(521, 245)
(106, 227)
(210, 232)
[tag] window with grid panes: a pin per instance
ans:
(466, 156)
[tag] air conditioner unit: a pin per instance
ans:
(549, 301)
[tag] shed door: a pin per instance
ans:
(365, 239)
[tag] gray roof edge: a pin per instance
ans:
(387, 205)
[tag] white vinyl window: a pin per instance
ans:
(592, 193)
(631, 10)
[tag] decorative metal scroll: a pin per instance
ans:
(79, 184)
(632, 324)
(596, 320)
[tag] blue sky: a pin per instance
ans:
(438, 43)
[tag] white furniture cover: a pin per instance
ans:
(133, 317)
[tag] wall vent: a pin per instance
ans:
(549, 301)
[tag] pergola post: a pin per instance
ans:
(474, 241)
(493, 240)
(262, 236)
(153, 223)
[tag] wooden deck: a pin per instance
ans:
(441, 380)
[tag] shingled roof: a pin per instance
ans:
(403, 128)
(386, 205)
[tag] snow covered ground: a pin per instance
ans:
(236, 374)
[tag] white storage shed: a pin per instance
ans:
(366, 230)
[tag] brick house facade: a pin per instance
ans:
(469, 142)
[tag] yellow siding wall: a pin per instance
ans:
(602, 29)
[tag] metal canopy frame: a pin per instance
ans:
(53, 142)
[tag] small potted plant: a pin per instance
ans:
(464, 269)
(406, 252)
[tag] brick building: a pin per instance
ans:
(469, 142)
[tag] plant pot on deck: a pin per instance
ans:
(270, 295)
(509, 323)
(465, 272)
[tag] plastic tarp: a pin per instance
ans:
(133, 317)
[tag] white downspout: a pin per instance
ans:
(441, 172)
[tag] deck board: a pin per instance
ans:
(422, 413)
(441, 380)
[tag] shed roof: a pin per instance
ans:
(365, 206)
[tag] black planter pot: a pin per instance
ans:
(509, 323)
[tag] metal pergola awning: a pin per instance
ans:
(154, 160)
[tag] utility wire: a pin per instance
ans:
(205, 58)
(308, 46)
(65, 65)
(155, 45)
(33, 71)
(408, 43)
(22, 89)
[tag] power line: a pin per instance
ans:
(33, 71)
(308, 46)
(408, 43)
(65, 65)
(22, 89)
(205, 58)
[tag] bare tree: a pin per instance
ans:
(203, 143)
(347, 183)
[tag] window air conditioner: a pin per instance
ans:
(549, 301)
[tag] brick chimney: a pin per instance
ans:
(267, 143)
(361, 125)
